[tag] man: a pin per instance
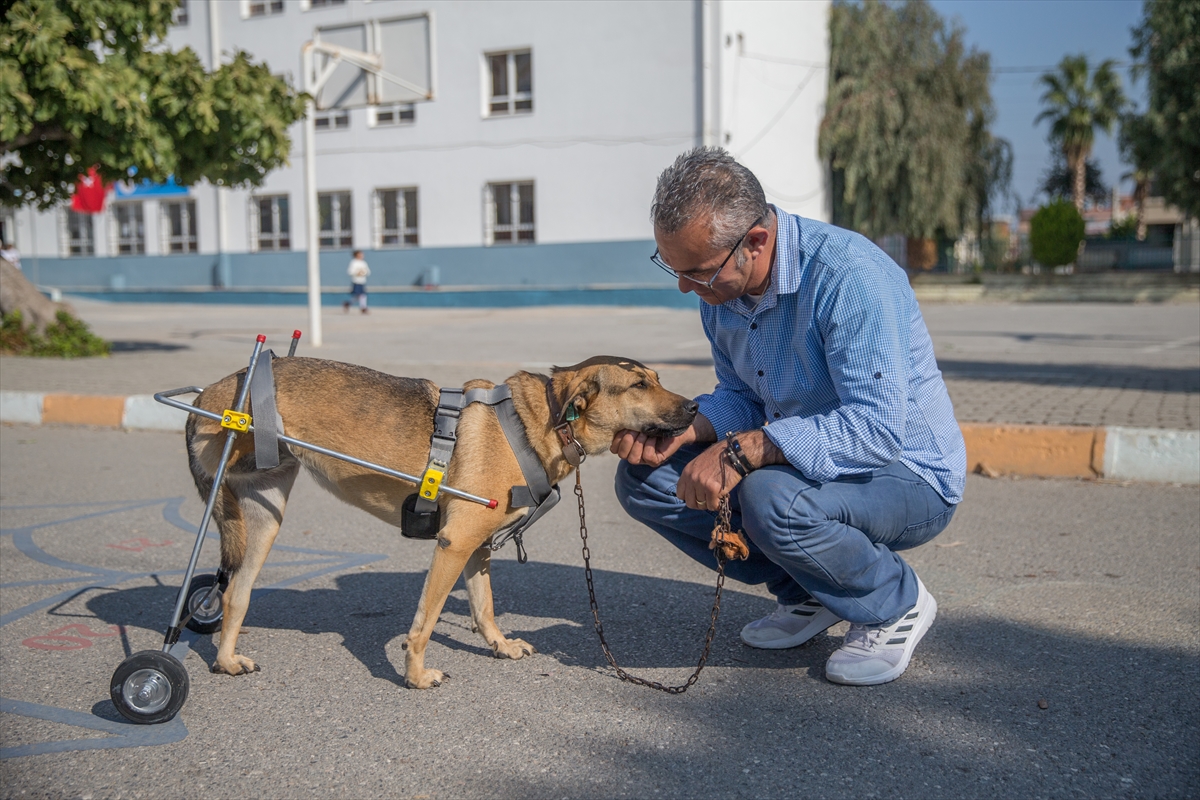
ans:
(358, 272)
(840, 420)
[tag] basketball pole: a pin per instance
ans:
(312, 223)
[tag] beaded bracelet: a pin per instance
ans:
(736, 457)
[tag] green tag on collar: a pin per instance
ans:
(571, 414)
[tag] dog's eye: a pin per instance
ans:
(640, 385)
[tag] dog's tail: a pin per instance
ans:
(227, 511)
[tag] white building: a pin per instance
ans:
(550, 125)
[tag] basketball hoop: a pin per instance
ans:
(361, 64)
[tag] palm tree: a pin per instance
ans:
(1076, 107)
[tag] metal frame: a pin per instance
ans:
(166, 398)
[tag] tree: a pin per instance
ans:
(1141, 148)
(906, 126)
(1078, 102)
(1165, 141)
(1058, 181)
(1055, 232)
(91, 83)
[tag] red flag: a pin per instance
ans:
(89, 193)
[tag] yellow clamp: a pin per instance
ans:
(431, 481)
(235, 421)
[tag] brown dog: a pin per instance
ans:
(388, 420)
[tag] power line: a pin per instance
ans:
(994, 70)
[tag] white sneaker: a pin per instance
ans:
(874, 654)
(789, 626)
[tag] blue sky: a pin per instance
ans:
(1024, 33)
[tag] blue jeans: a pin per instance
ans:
(835, 542)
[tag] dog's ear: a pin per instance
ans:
(580, 393)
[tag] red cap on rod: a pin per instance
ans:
(262, 337)
(295, 334)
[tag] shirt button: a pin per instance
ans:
(777, 415)
(760, 373)
(753, 326)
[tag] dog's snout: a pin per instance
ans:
(691, 407)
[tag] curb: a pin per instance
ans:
(1045, 451)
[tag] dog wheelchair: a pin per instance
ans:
(151, 686)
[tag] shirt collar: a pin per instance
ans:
(785, 273)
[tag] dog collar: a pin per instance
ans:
(572, 450)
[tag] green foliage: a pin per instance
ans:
(91, 82)
(1058, 181)
(1165, 140)
(68, 337)
(1077, 102)
(1124, 230)
(1055, 232)
(906, 126)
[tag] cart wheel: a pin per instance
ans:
(149, 687)
(207, 619)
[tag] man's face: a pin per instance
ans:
(690, 254)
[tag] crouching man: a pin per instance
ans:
(843, 448)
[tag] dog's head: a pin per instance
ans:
(611, 394)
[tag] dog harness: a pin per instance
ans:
(537, 494)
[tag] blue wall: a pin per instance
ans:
(541, 266)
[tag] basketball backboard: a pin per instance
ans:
(402, 52)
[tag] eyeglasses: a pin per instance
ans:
(658, 262)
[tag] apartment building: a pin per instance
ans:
(534, 164)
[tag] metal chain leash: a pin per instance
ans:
(722, 528)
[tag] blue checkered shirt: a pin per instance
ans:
(836, 359)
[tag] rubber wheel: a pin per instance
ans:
(149, 687)
(204, 621)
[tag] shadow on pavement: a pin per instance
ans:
(129, 346)
(964, 721)
(1098, 376)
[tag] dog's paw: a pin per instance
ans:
(427, 679)
(513, 648)
(237, 665)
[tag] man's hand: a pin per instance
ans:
(638, 448)
(653, 451)
(706, 479)
(709, 476)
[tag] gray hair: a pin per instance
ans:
(706, 183)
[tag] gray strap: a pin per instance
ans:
(537, 485)
(441, 444)
(267, 422)
(537, 494)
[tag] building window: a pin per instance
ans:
(80, 236)
(273, 225)
(325, 3)
(511, 82)
(261, 8)
(130, 229)
(180, 15)
(396, 217)
(332, 120)
(387, 116)
(179, 227)
(511, 213)
(334, 210)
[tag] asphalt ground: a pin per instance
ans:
(1032, 363)
(1079, 594)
